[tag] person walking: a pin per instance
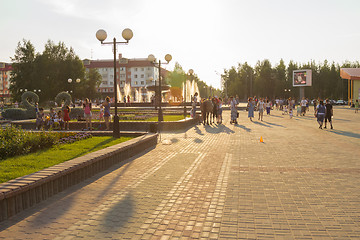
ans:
(87, 113)
(250, 107)
(194, 103)
(328, 113)
(107, 105)
(260, 106)
(303, 104)
(356, 106)
(234, 112)
(320, 113)
(268, 107)
(66, 116)
(220, 110)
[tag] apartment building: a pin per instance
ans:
(5, 70)
(133, 75)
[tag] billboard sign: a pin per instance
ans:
(302, 78)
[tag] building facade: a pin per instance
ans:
(5, 70)
(133, 77)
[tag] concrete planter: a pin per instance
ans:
(24, 192)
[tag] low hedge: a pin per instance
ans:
(18, 114)
(15, 141)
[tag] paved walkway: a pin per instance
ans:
(218, 182)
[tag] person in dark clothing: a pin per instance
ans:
(320, 113)
(328, 113)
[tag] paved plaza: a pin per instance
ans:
(218, 182)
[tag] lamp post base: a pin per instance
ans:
(116, 131)
(160, 115)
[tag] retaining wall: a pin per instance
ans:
(24, 192)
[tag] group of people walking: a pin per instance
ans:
(323, 110)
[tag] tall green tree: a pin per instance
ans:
(22, 76)
(48, 71)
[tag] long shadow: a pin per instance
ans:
(262, 124)
(339, 119)
(345, 133)
(274, 124)
(119, 214)
(243, 127)
(214, 128)
(198, 140)
(197, 130)
(97, 145)
(44, 206)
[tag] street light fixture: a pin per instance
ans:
(101, 35)
(191, 71)
(152, 59)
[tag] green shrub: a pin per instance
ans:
(18, 114)
(15, 113)
(33, 97)
(15, 141)
(63, 97)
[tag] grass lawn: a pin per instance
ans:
(167, 118)
(18, 166)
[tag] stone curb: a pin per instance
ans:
(24, 192)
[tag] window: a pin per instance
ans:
(135, 76)
(142, 75)
(142, 82)
(111, 90)
(135, 69)
(135, 83)
(111, 83)
(148, 68)
(142, 69)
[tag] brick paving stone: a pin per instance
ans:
(217, 182)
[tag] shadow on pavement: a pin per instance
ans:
(118, 215)
(214, 128)
(44, 208)
(243, 127)
(345, 133)
(262, 124)
(274, 124)
(198, 140)
(198, 131)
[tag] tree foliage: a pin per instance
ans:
(264, 80)
(49, 71)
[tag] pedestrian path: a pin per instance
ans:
(218, 182)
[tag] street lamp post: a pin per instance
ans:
(70, 81)
(101, 35)
(151, 58)
(190, 73)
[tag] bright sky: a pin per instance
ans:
(205, 35)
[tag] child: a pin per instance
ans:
(40, 118)
(291, 113)
(52, 117)
(66, 117)
(101, 116)
(285, 110)
(58, 122)
(298, 110)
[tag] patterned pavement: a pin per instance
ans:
(218, 182)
